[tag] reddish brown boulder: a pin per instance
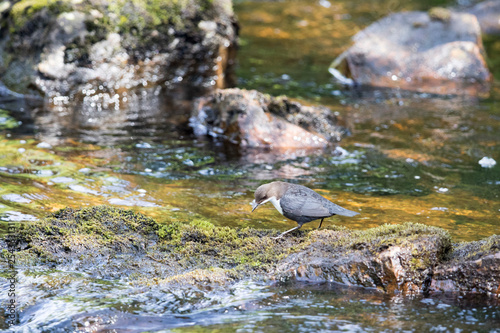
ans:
(437, 52)
(252, 119)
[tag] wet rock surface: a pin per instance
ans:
(255, 120)
(112, 243)
(471, 267)
(397, 258)
(98, 53)
(408, 258)
(434, 52)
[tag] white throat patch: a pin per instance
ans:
(276, 204)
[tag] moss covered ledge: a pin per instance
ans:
(108, 242)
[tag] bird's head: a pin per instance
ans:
(266, 192)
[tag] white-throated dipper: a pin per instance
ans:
(297, 203)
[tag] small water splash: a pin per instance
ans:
(441, 209)
(131, 201)
(62, 180)
(44, 145)
(83, 189)
(343, 156)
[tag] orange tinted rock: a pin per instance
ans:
(255, 120)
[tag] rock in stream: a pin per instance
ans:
(103, 52)
(255, 120)
(439, 52)
(111, 243)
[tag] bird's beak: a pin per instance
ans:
(254, 205)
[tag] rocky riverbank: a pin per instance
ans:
(110, 243)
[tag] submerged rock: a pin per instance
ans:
(252, 119)
(99, 52)
(436, 52)
(112, 243)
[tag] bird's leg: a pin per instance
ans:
(321, 223)
(287, 232)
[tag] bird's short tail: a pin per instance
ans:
(344, 212)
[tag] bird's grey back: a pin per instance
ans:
(318, 206)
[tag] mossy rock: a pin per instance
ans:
(475, 250)
(472, 267)
(390, 257)
(205, 245)
(113, 243)
(139, 242)
(69, 233)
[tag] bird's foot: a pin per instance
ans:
(284, 233)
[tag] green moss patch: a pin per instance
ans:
(204, 245)
(68, 233)
(136, 16)
(23, 11)
(6, 121)
(100, 221)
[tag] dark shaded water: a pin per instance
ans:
(411, 157)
